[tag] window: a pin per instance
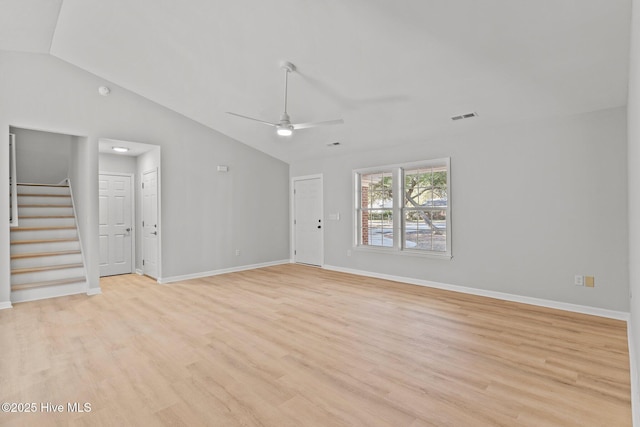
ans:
(404, 208)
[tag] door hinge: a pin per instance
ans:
(143, 185)
(294, 222)
(143, 223)
(295, 252)
(142, 262)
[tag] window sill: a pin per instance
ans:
(404, 252)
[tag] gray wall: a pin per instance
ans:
(205, 216)
(83, 161)
(117, 163)
(533, 205)
(41, 157)
(633, 114)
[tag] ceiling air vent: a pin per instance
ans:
(464, 116)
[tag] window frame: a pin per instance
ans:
(397, 172)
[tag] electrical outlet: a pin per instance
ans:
(237, 252)
(589, 281)
(578, 280)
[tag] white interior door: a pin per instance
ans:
(115, 219)
(308, 224)
(150, 228)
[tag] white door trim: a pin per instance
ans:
(292, 232)
(133, 212)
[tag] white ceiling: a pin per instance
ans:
(394, 71)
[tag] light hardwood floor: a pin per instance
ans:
(300, 346)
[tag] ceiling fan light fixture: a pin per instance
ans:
(284, 131)
(284, 127)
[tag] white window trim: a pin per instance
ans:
(397, 171)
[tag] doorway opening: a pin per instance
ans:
(129, 205)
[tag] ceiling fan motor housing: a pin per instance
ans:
(285, 120)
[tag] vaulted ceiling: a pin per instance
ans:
(394, 71)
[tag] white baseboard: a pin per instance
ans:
(94, 291)
(594, 311)
(172, 279)
(139, 272)
(5, 304)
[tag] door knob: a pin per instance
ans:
(128, 229)
(319, 226)
(155, 233)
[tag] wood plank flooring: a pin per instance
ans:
(300, 346)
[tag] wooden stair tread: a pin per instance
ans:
(23, 242)
(44, 254)
(42, 185)
(44, 206)
(47, 283)
(45, 268)
(44, 216)
(43, 195)
(65, 227)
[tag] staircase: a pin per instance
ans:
(46, 259)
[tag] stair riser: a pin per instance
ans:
(48, 292)
(42, 276)
(46, 222)
(39, 200)
(44, 212)
(35, 189)
(48, 261)
(17, 236)
(45, 247)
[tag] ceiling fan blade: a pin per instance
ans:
(251, 118)
(314, 124)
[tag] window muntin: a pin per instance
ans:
(405, 207)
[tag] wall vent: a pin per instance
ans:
(464, 116)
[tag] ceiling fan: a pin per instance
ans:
(285, 127)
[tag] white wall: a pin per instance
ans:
(41, 157)
(205, 216)
(82, 166)
(533, 205)
(633, 112)
(117, 163)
